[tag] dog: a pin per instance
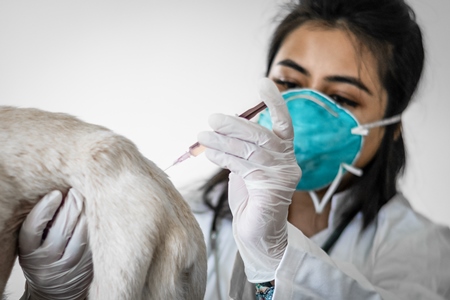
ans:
(161, 256)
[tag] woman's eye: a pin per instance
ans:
(343, 101)
(286, 85)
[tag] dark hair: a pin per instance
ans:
(389, 30)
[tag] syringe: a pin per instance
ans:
(197, 148)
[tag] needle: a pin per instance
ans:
(196, 148)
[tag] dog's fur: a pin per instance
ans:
(144, 239)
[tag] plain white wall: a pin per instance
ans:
(155, 70)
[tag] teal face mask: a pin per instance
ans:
(327, 139)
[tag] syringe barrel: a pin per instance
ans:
(196, 149)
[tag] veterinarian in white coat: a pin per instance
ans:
(305, 226)
(366, 242)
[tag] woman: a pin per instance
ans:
(362, 60)
(368, 57)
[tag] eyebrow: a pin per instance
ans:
(336, 78)
(293, 65)
(350, 80)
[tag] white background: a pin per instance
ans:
(155, 70)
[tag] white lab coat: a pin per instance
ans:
(402, 255)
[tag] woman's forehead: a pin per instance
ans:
(328, 51)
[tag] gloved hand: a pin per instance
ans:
(264, 175)
(60, 267)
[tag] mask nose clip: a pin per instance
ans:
(315, 100)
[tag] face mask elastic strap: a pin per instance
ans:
(354, 170)
(319, 206)
(364, 129)
(334, 185)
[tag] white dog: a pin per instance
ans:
(161, 256)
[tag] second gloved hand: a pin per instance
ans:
(60, 266)
(264, 175)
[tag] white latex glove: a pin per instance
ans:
(60, 267)
(264, 175)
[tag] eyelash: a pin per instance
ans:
(343, 101)
(288, 85)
